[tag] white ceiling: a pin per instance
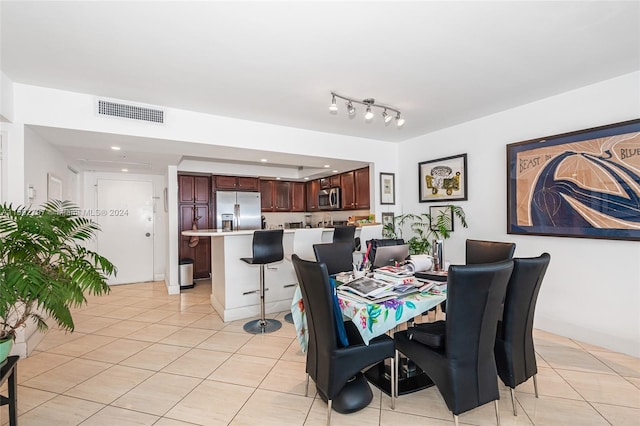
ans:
(440, 63)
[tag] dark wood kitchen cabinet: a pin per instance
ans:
(362, 197)
(347, 183)
(194, 207)
(193, 189)
(298, 196)
(282, 196)
(236, 183)
(313, 188)
(275, 195)
(266, 195)
(201, 253)
(355, 189)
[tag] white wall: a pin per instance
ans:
(160, 240)
(592, 288)
(42, 159)
(6, 98)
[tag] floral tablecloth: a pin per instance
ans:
(371, 319)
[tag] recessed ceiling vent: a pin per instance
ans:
(130, 111)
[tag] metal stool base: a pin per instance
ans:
(262, 326)
(289, 318)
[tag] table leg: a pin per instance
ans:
(410, 377)
(13, 396)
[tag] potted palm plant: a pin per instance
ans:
(425, 227)
(45, 268)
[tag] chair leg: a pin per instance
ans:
(394, 384)
(535, 384)
(262, 325)
(329, 412)
(513, 402)
(455, 420)
(497, 412)
(306, 389)
(397, 368)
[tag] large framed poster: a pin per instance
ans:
(579, 184)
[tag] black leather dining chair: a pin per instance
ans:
(479, 251)
(514, 350)
(460, 361)
(337, 256)
(329, 364)
(345, 234)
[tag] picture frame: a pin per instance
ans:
(387, 188)
(54, 187)
(443, 179)
(388, 218)
(435, 212)
(578, 184)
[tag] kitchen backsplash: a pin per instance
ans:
(276, 219)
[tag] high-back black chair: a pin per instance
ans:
(267, 248)
(461, 362)
(514, 350)
(478, 251)
(329, 364)
(337, 256)
(345, 234)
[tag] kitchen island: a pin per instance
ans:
(235, 284)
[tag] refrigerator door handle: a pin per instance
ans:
(236, 212)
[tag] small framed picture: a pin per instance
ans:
(441, 216)
(444, 179)
(387, 218)
(387, 188)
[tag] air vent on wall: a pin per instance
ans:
(130, 111)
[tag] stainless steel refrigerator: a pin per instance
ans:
(238, 210)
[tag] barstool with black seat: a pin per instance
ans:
(267, 248)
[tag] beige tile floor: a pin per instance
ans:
(141, 357)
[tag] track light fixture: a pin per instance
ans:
(369, 103)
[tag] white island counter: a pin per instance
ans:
(235, 284)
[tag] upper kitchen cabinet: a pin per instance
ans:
(193, 189)
(330, 182)
(347, 183)
(362, 197)
(298, 197)
(355, 189)
(266, 195)
(236, 183)
(282, 196)
(313, 188)
(275, 195)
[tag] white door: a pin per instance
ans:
(125, 213)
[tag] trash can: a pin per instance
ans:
(185, 273)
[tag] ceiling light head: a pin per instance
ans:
(333, 107)
(306, 178)
(115, 148)
(399, 120)
(326, 166)
(263, 160)
(369, 114)
(386, 117)
(125, 170)
(334, 171)
(350, 108)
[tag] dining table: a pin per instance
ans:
(373, 319)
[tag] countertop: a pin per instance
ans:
(221, 233)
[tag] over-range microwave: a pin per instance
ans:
(329, 199)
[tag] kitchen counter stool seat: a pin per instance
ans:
(267, 248)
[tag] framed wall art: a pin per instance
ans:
(387, 218)
(441, 215)
(444, 179)
(387, 188)
(579, 184)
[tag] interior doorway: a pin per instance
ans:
(124, 211)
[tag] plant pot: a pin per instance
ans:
(5, 349)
